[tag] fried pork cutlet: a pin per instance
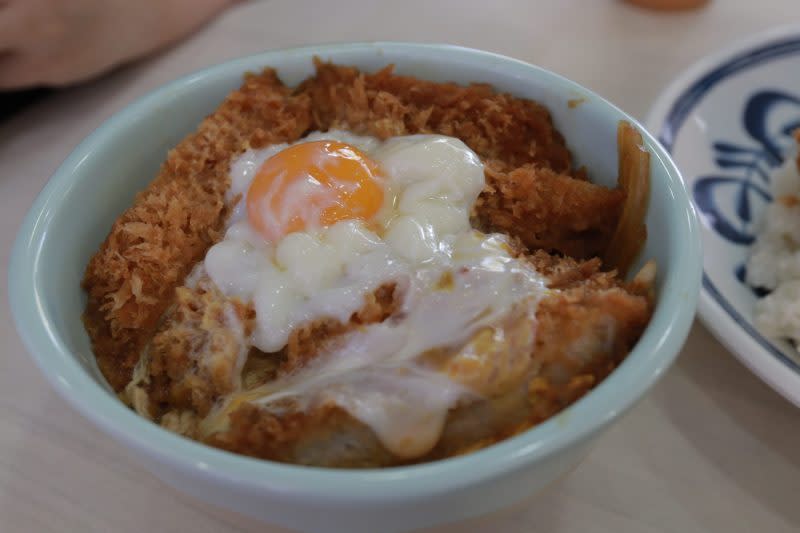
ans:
(549, 211)
(582, 333)
(498, 127)
(173, 346)
(195, 356)
(154, 245)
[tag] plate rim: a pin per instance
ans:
(723, 325)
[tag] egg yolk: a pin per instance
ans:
(314, 184)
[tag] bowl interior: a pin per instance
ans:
(100, 179)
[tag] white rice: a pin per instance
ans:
(774, 262)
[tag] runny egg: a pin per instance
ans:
(312, 185)
(319, 224)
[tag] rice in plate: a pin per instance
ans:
(774, 262)
(466, 285)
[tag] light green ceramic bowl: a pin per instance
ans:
(98, 181)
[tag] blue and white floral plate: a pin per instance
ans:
(727, 122)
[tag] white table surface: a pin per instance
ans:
(711, 448)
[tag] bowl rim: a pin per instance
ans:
(730, 327)
(652, 355)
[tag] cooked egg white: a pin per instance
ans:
(319, 224)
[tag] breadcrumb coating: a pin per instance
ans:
(196, 354)
(498, 127)
(153, 245)
(549, 211)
